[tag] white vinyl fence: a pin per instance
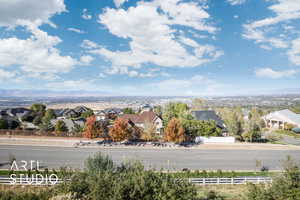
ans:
(232, 181)
(220, 140)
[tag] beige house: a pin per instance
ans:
(279, 119)
(140, 120)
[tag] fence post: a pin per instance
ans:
(204, 181)
(232, 181)
(218, 180)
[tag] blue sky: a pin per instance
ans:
(157, 47)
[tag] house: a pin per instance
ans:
(81, 109)
(146, 108)
(66, 113)
(100, 115)
(141, 120)
(280, 119)
(210, 115)
(17, 112)
(70, 123)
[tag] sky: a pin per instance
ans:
(150, 47)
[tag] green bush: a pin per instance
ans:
(105, 180)
(284, 187)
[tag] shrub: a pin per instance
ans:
(107, 181)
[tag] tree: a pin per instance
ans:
(120, 131)
(175, 110)
(234, 120)
(194, 128)
(198, 104)
(285, 186)
(3, 124)
(87, 114)
(46, 126)
(158, 110)
(49, 114)
(60, 127)
(128, 111)
(252, 132)
(174, 131)
(38, 108)
(149, 132)
(91, 130)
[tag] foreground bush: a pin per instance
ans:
(105, 180)
(284, 187)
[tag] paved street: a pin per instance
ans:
(53, 157)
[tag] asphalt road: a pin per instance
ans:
(172, 159)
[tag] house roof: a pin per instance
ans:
(147, 116)
(207, 115)
(81, 109)
(285, 115)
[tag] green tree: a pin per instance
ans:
(46, 126)
(3, 124)
(252, 132)
(175, 110)
(87, 114)
(37, 120)
(128, 111)
(49, 114)
(234, 120)
(38, 108)
(60, 127)
(285, 186)
(194, 128)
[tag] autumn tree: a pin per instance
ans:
(174, 131)
(91, 129)
(120, 131)
(149, 131)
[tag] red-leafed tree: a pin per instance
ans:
(174, 131)
(120, 131)
(91, 129)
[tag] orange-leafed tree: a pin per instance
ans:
(120, 131)
(174, 131)
(91, 129)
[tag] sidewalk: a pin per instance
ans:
(72, 141)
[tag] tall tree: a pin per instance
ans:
(128, 111)
(174, 131)
(120, 131)
(60, 127)
(38, 108)
(49, 114)
(175, 110)
(91, 129)
(3, 124)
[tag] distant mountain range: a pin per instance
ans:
(84, 93)
(50, 93)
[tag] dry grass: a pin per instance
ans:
(230, 192)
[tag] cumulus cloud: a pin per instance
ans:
(76, 30)
(294, 52)
(119, 3)
(86, 59)
(81, 84)
(270, 73)
(6, 75)
(236, 2)
(85, 14)
(18, 12)
(152, 35)
(37, 55)
(268, 32)
(87, 44)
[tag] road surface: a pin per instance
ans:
(169, 159)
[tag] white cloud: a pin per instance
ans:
(86, 59)
(76, 30)
(236, 2)
(119, 3)
(36, 56)
(270, 73)
(196, 85)
(87, 44)
(85, 14)
(268, 32)
(152, 36)
(294, 52)
(18, 12)
(72, 84)
(6, 75)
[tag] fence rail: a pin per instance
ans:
(200, 181)
(232, 181)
